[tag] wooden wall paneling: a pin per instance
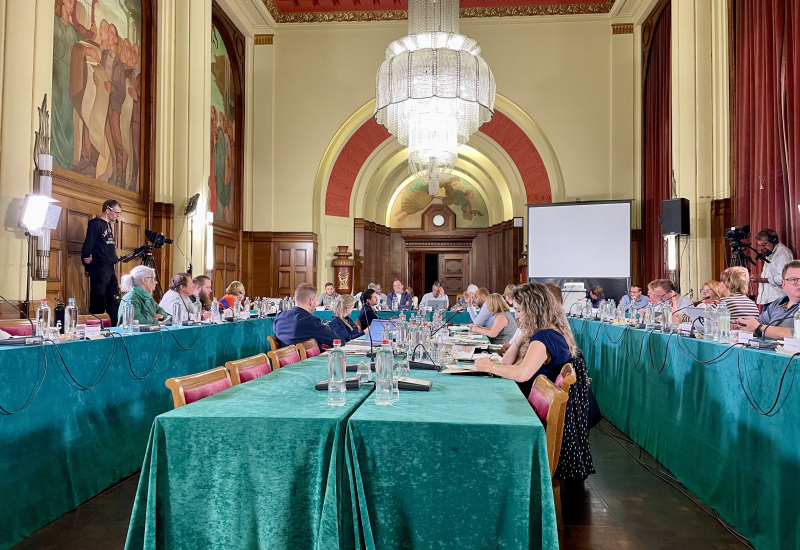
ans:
(359, 249)
(453, 273)
(294, 261)
(721, 219)
(637, 259)
(480, 262)
(257, 262)
(164, 222)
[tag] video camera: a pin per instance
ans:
(158, 239)
(739, 233)
(145, 251)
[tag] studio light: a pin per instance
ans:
(672, 253)
(38, 214)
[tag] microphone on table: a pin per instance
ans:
(447, 323)
(31, 340)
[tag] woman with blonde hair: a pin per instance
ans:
(733, 288)
(341, 323)
(138, 286)
(508, 292)
(504, 325)
(710, 292)
(551, 344)
(235, 291)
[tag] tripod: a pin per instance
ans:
(739, 256)
(145, 254)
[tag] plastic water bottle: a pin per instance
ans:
(42, 318)
(710, 322)
(384, 375)
(650, 316)
(724, 323)
(387, 332)
(337, 391)
(126, 317)
(395, 303)
(413, 336)
(587, 309)
(177, 313)
(246, 307)
(237, 309)
(214, 310)
(71, 317)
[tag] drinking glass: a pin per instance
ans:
(402, 368)
(396, 384)
(364, 371)
(53, 334)
(80, 330)
(135, 325)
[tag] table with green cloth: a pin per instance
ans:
(260, 465)
(461, 466)
(723, 419)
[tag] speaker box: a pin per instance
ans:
(675, 217)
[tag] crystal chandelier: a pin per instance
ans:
(434, 89)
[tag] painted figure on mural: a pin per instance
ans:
(462, 199)
(223, 132)
(461, 196)
(416, 198)
(97, 88)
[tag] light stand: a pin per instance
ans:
(189, 212)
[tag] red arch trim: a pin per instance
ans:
(370, 135)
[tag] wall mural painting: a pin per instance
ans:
(462, 197)
(223, 132)
(97, 85)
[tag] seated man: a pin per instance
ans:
(328, 297)
(203, 292)
(635, 297)
(360, 298)
(367, 315)
(437, 292)
(483, 318)
(381, 296)
(403, 297)
(664, 291)
(299, 323)
(181, 288)
(595, 295)
(777, 319)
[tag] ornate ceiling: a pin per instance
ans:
(319, 11)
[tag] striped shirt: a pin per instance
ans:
(740, 306)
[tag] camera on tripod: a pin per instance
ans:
(146, 251)
(739, 255)
(735, 234)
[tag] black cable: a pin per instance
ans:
(130, 364)
(597, 334)
(100, 374)
(33, 393)
(650, 354)
(751, 399)
(193, 343)
(624, 330)
(641, 348)
(709, 361)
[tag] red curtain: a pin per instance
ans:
(657, 117)
(767, 121)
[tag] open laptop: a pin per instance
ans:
(437, 303)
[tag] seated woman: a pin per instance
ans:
(504, 325)
(710, 292)
(138, 286)
(414, 299)
(551, 344)
(235, 291)
(341, 323)
(733, 288)
(507, 293)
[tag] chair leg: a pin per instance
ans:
(557, 502)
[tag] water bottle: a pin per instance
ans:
(58, 316)
(246, 307)
(666, 317)
(384, 375)
(126, 317)
(413, 337)
(395, 303)
(177, 313)
(710, 322)
(264, 308)
(724, 324)
(337, 391)
(237, 309)
(387, 332)
(650, 316)
(42, 318)
(71, 317)
(215, 310)
(797, 324)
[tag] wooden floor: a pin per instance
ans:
(622, 506)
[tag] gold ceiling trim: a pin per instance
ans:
(263, 39)
(603, 6)
(622, 28)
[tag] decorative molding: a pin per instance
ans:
(263, 39)
(600, 7)
(622, 28)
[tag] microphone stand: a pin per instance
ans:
(33, 329)
(446, 323)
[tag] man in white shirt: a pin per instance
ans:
(381, 296)
(777, 256)
(664, 291)
(437, 292)
(181, 287)
(481, 318)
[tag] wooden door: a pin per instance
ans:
(416, 262)
(295, 265)
(226, 252)
(453, 274)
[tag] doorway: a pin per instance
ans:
(431, 273)
(450, 268)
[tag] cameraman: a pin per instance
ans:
(777, 255)
(99, 258)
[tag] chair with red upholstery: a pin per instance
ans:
(273, 343)
(193, 387)
(249, 368)
(17, 327)
(284, 356)
(309, 348)
(91, 320)
(550, 404)
(566, 378)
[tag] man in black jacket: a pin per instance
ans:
(99, 260)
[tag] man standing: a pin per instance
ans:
(437, 292)
(99, 258)
(328, 297)
(777, 255)
(300, 324)
(403, 297)
(635, 297)
(483, 318)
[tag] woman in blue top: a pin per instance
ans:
(341, 323)
(551, 346)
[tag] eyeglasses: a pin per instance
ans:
(145, 278)
(792, 280)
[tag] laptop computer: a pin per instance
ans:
(437, 303)
(375, 334)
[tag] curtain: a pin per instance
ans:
(657, 117)
(766, 121)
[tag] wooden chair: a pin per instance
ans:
(550, 404)
(193, 387)
(284, 356)
(90, 320)
(566, 378)
(249, 368)
(309, 348)
(273, 343)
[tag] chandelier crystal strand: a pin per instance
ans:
(433, 90)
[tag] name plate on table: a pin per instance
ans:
(745, 337)
(93, 331)
(791, 344)
(413, 384)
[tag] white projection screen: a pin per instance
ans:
(579, 241)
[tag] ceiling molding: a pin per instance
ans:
(622, 28)
(263, 39)
(602, 7)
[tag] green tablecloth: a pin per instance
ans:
(462, 466)
(260, 465)
(697, 419)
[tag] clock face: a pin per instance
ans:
(438, 220)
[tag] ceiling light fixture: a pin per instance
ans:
(434, 90)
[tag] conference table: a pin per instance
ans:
(722, 418)
(268, 464)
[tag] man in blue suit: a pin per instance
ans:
(299, 323)
(403, 296)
